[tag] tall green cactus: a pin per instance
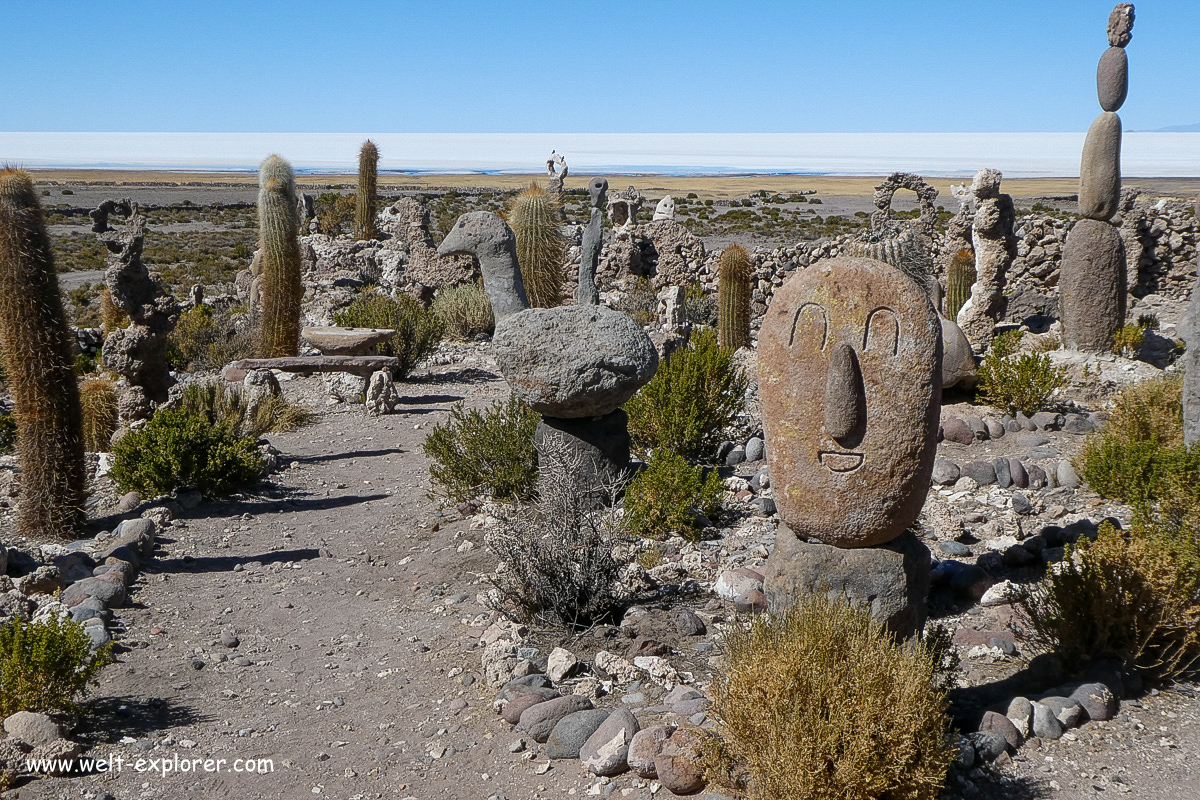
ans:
(534, 216)
(37, 351)
(364, 209)
(960, 277)
(278, 242)
(735, 278)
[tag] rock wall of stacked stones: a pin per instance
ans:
(1161, 240)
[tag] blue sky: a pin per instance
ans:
(586, 66)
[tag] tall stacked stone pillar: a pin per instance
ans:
(1092, 281)
(850, 359)
(995, 243)
(1190, 330)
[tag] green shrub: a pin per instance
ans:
(8, 433)
(691, 401)
(1127, 342)
(799, 708)
(335, 213)
(224, 406)
(489, 453)
(176, 449)
(207, 339)
(44, 666)
(1015, 382)
(1130, 596)
(667, 495)
(98, 399)
(464, 311)
(1139, 456)
(418, 329)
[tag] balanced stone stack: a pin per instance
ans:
(850, 378)
(995, 246)
(1190, 330)
(1093, 282)
(574, 365)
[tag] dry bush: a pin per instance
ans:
(207, 339)
(489, 453)
(418, 329)
(1129, 596)
(465, 311)
(225, 407)
(666, 496)
(557, 565)
(821, 703)
(1012, 381)
(1150, 410)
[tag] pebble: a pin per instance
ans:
(982, 472)
(945, 472)
(1066, 475)
(688, 624)
(755, 449)
(954, 549)
(229, 638)
(1021, 504)
(572, 731)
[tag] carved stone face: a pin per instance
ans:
(597, 189)
(850, 379)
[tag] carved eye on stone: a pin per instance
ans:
(882, 334)
(810, 328)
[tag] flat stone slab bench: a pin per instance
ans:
(334, 341)
(307, 365)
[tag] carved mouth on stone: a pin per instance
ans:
(836, 461)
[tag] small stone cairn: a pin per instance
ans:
(849, 374)
(1092, 282)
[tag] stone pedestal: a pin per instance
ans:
(1091, 286)
(891, 580)
(594, 449)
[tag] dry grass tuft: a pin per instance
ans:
(820, 703)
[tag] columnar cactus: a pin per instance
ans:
(364, 210)
(735, 278)
(541, 248)
(279, 245)
(960, 277)
(37, 352)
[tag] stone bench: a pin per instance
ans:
(362, 366)
(334, 341)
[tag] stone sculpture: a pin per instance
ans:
(623, 208)
(555, 184)
(1189, 329)
(592, 243)
(849, 374)
(995, 244)
(575, 365)
(1093, 275)
(138, 352)
(665, 209)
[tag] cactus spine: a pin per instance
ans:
(98, 398)
(364, 209)
(541, 248)
(37, 351)
(960, 277)
(278, 242)
(734, 279)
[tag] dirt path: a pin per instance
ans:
(352, 614)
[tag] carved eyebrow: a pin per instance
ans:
(886, 339)
(824, 323)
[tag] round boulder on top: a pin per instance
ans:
(574, 361)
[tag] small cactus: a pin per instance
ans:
(735, 279)
(37, 351)
(364, 210)
(541, 248)
(960, 277)
(98, 399)
(278, 232)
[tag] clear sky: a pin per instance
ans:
(586, 66)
